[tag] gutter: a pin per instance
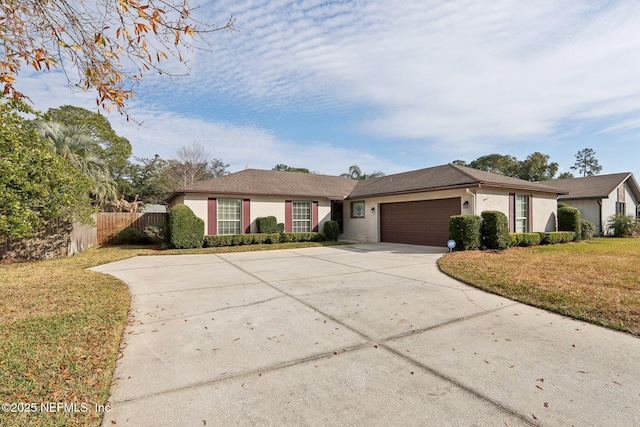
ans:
(600, 217)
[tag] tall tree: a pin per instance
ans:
(144, 178)
(586, 163)
(356, 173)
(114, 149)
(193, 164)
(36, 184)
(284, 168)
(537, 168)
(109, 44)
(75, 144)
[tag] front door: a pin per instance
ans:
(337, 214)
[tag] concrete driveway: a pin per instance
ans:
(369, 334)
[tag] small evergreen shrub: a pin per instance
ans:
(466, 231)
(554, 237)
(495, 230)
(622, 225)
(186, 229)
(525, 239)
(267, 224)
(569, 220)
(130, 236)
(562, 205)
(588, 229)
(214, 241)
(331, 230)
(157, 233)
(280, 227)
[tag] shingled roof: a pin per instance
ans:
(442, 178)
(593, 187)
(295, 184)
(274, 183)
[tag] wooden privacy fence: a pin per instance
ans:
(111, 223)
(57, 239)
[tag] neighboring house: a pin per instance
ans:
(600, 196)
(411, 207)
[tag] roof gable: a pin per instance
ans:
(594, 187)
(441, 177)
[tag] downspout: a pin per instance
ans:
(600, 217)
(474, 200)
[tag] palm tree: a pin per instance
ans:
(76, 144)
(356, 173)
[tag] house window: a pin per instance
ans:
(621, 208)
(229, 216)
(522, 213)
(301, 217)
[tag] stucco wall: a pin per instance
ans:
(589, 210)
(260, 207)
(367, 228)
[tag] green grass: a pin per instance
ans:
(61, 327)
(597, 280)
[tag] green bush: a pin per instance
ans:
(557, 237)
(525, 239)
(267, 224)
(569, 220)
(157, 233)
(257, 239)
(331, 230)
(465, 230)
(562, 205)
(495, 230)
(622, 225)
(280, 227)
(185, 228)
(130, 236)
(588, 229)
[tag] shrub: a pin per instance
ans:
(557, 237)
(267, 224)
(280, 227)
(260, 238)
(524, 239)
(331, 230)
(569, 220)
(186, 229)
(588, 229)
(495, 230)
(562, 205)
(130, 236)
(157, 233)
(465, 230)
(622, 225)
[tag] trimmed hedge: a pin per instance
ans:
(466, 231)
(213, 241)
(524, 239)
(495, 230)
(557, 237)
(186, 230)
(267, 224)
(332, 230)
(569, 220)
(587, 229)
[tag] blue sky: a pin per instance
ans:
(393, 86)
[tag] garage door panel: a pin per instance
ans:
(423, 222)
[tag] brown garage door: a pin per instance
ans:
(421, 223)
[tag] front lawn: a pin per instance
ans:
(60, 331)
(596, 280)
